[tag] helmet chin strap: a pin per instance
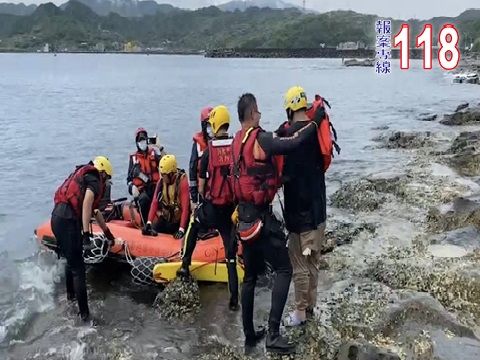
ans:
(289, 115)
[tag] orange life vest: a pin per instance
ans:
(327, 135)
(148, 165)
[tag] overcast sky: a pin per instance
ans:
(400, 9)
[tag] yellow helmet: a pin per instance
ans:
(168, 164)
(219, 116)
(295, 99)
(102, 163)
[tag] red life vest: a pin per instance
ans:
(219, 187)
(254, 180)
(148, 164)
(72, 191)
(201, 143)
(327, 135)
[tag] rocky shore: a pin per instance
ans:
(470, 64)
(405, 284)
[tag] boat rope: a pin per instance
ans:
(142, 267)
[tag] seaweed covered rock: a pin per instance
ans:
(370, 193)
(179, 300)
(452, 281)
(353, 350)
(464, 116)
(341, 233)
(465, 153)
(427, 117)
(405, 140)
(461, 213)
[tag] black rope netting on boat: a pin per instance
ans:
(142, 269)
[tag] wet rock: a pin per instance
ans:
(465, 152)
(357, 197)
(422, 347)
(468, 238)
(179, 300)
(424, 311)
(381, 127)
(406, 140)
(454, 282)
(217, 351)
(461, 213)
(364, 351)
(368, 194)
(342, 233)
(448, 347)
(466, 140)
(315, 341)
(446, 251)
(427, 117)
(463, 117)
(461, 107)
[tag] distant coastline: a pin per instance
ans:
(241, 53)
(143, 52)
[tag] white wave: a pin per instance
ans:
(33, 293)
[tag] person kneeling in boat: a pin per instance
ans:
(75, 201)
(170, 209)
(143, 172)
(217, 207)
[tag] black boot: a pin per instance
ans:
(184, 271)
(251, 341)
(233, 303)
(232, 284)
(277, 344)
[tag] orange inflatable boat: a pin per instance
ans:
(162, 246)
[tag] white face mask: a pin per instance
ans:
(210, 132)
(142, 145)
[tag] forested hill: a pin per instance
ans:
(75, 26)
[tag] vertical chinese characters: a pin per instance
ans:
(383, 46)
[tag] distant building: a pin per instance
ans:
(100, 47)
(131, 47)
(46, 48)
(351, 45)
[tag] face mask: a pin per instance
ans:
(209, 132)
(142, 145)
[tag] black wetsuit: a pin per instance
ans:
(67, 228)
(216, 217)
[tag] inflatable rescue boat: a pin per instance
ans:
(162, 251)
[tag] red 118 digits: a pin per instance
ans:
(448, 53)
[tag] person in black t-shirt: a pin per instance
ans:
(75, 201)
